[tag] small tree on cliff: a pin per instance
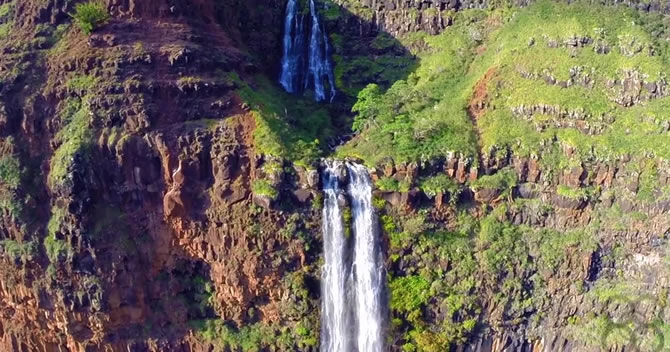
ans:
(90, 15)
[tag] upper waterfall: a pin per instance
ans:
(293, 48)
(318, 73)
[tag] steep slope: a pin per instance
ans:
(542, 138)
(159, 191)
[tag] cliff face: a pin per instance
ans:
(142, 212)
(127, 223)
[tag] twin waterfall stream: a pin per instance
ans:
(353, 309)
(306, 67)
(353, 279)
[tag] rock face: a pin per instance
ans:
(136, 220)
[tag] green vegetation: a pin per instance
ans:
(81, 84)
(611, 27)
(264, 188)
(515, 61)
(504, 180)
(392, 185)
(550, 247)
(55, 247)
(76, 137)
(286, 126)
(579, 193)
(433, 185)
(6, 10)
(10, 172)
(423, 116)
(409, 294)
(628, 326)
(11, 177)
(90, 15)
(6, 18)
(24, 251)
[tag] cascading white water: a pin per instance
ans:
(354, 305)
(336, 318)
(318, 71)
(368, 264)
(292, 57)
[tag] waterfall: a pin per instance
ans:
(318, 73)
(292, 57)
(368, 265)
(353, 285)
(336, 316)
(320, 68)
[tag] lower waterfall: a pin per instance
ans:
(369, 273)
(336, 319)
(353, 285)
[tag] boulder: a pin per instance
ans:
(486, 195)
(263, 201)
(313, 178)
(303, 196)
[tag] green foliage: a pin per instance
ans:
(649, 185)
(10, 172)
(552, 247)
(501, 246)
(286, 126)
(317, 201)
(81, 84)
(579, 193)
(503, 180)
(55, 247)
(548, 22)
(433, 185)
(423, 116)
(409, 294)
(367, 107)
(24, 251)
(264, 188)
(90, 15)
(390, 184)
(76, 137)
(6, 10)
(506, 58)
(378, 202)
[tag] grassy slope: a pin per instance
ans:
(426, 116)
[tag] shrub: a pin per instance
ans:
(90, 15)
(575, 193)
(431, 186)
(10, 172)
(15, 250)
(264, 188)
(409, 294)
(392, 185)
(503, 180)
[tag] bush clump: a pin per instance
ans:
(264, 188)
(90, 15)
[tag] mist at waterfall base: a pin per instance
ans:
(353, 286)
(306, 66)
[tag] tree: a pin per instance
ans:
(90, 15)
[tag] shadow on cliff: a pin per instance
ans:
(360, 50)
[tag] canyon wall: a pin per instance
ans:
(138, 213)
